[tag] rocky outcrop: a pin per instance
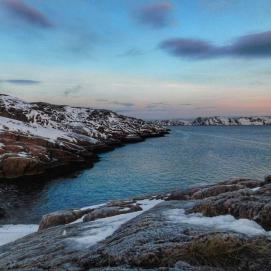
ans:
(109, 211)
(213, 190)
(60, 218)
(88, 214)
(42, 139)
(245, 203)
(171, 236)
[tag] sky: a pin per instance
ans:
(148, 59)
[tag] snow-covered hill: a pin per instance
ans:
(215, 121)
(96, 125)
(37, 136)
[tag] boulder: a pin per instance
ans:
(60, 218)
(67, 216)
(108, 211)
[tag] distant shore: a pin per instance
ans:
(216, 121)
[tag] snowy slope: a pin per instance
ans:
(66, 121)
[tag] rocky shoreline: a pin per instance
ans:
(225, 226)
(46, 140)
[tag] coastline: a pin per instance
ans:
(63, 170)
(40, 139)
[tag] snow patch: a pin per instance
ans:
(10, 233)
(100, 229)
(255, 188)
(12, 125)
(92, 206)
(221, 222)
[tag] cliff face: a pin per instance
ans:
(217, 121)
(37, 137)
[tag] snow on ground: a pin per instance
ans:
(10, 101)
(221, 222)
(51, 134)
(255, 188)
(10, 233)
(100, 229)
(93, 206)
(12, 125)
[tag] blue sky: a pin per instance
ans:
(150, 59)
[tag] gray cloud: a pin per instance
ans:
(155, 15)
(21, 81)
(27, 13)
(248, 46)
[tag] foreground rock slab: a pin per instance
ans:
(88, 214)
(170, 236)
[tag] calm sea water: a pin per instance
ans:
(188, 156)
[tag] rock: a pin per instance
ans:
(133, 139)
(67, 216)
(122, 203)
(108, 211)
(13, 167)
(155, 239)
(244, 203)
(267, 179)
(215, 190)
(212, 190)
(181, 195)
(59, 218)
(150, 241)
(2, 213)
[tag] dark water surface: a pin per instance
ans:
(188, 156)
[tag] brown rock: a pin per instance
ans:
(216, 190)
(108, 211)
(59, 218)
(244, 203)
(13, 167)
